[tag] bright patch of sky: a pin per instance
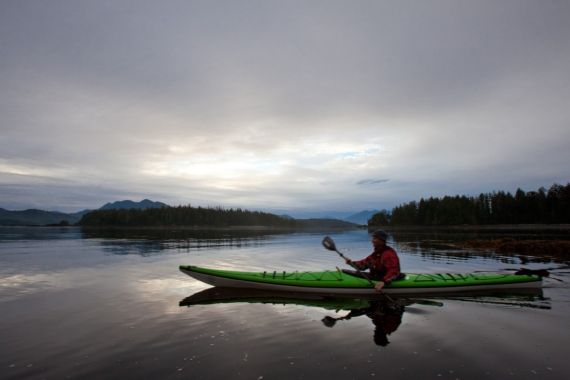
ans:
(293, 106)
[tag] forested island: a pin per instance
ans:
(183, 216)
(543, 206)
(189, 216)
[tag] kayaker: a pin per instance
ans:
(383, 263)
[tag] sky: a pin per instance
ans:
(286, 106)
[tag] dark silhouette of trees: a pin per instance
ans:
(183, 216)
(543, 206)
(380, 218)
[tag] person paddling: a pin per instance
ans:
(383, 263)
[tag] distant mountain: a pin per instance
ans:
(357, 218)
(361, 217)
(307, 214)
(33, 217)
(319, 224)
(128, 204)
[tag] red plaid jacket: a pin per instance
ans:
(384, 264)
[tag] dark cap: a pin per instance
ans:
(379, 234)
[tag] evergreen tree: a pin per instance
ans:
(541, 206)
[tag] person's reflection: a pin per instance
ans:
(385, 315)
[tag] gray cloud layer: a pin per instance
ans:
(278, 104)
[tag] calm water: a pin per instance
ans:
(91, 306)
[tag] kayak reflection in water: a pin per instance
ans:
(386, 317)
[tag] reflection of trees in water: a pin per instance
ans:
(147, 242)
(531, 300)
(8, 233)
(507, 245)
(437, 248)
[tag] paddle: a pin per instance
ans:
(329, 244)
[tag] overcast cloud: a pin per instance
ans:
(280, 105)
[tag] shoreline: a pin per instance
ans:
(480, 227)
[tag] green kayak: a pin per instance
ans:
(337, 282)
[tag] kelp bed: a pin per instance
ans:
(556, 248)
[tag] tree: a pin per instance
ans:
(541, 206)
(381, 218)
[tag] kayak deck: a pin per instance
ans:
(338, 282)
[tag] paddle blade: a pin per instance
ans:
(328, 321)
(329, 244)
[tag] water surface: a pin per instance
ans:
(91, 305)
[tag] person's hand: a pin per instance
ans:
(348, 261)
(378, 287)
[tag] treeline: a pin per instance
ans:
(543, 206)
(183, 216)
